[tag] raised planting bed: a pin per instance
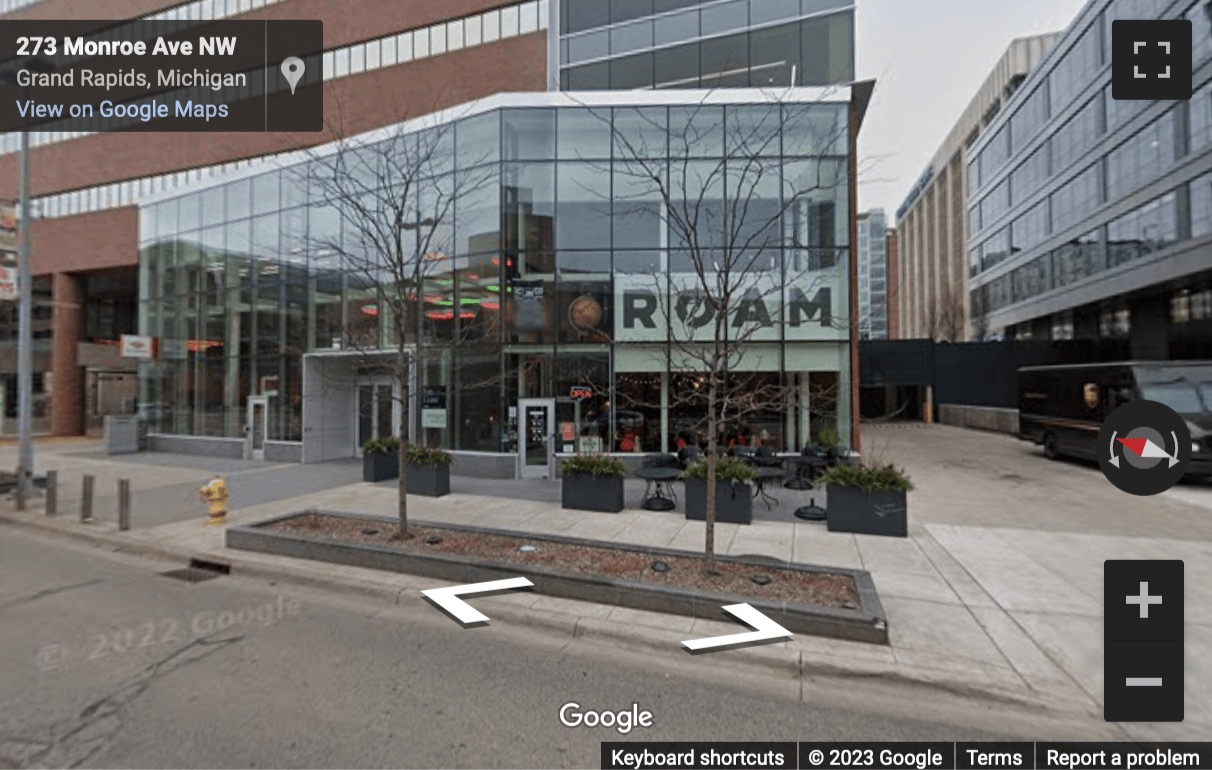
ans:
(824, 601)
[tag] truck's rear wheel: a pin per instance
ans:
(1051, 447)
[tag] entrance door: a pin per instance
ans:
(257, 428)
(376, 411)
(535, 448)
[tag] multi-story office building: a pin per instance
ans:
(873, 275)
(892, 246)
(932, 222)
(624, 44)
(87, 186)
(255, 324)
(1091, 217)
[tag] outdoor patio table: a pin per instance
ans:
(766, 473)
(806, 468)
(658, 492)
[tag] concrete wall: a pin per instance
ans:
(485, 465)
(203, 446)
(329, 406)
(284, 451)
(979, 417)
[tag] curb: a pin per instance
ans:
(771, 659)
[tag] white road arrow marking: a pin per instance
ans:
(448, 598)
(766, 629)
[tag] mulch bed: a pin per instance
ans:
(817, 588)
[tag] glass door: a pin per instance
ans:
(535, 450)
(257, 428)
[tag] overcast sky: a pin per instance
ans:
(928, 58)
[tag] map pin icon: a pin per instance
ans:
(292, 70)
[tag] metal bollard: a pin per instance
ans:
(52, 492)
(123, 504)
(86, 499)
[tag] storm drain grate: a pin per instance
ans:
(198, 571)
(190, 574)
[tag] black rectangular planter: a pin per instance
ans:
(431, 480)
(380, 466)
(733, 501)
(589, 492)
(877, 512)
(864, 623)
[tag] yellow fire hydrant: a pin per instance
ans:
(215, 493)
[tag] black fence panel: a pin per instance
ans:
(974, 373)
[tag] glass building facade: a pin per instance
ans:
(546, 280)
(626, 44)
(1088, 216)
(873, 275)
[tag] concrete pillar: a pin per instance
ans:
(1149, 337)
(68, 409)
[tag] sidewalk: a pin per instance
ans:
(998, 612)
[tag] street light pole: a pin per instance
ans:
(25, 337)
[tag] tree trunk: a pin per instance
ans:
(712, 459)
(402, 489)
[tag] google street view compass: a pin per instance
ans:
(1144, 448)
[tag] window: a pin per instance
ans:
(764, 11)
(577, 15)
(630, 72)
(725, 17)
(827, 50)
(437, 40)
(677, 27)
(676, 67)
(1201, 206)
(583, 134)
(773, 55)
(1143, 231)
(631, 37)
(1075, 70)
(1027, 178)
(1200, 16)
(1075, 199)
(1144, 157)
(592, 45)
(725, 62)
(1030, 117)
(1078, 135)
(626, 10)
(589, 77)
(509, 21)
(528, 134)
(1199, 118)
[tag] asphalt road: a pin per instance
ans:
(108, 663)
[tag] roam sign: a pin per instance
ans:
(641, 307)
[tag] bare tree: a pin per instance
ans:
(751, 245)
(396, 200)
(944, 320)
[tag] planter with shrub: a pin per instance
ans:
(428, 471)
(381, 459)
(733, 491)
(592, 483)
(866, 500)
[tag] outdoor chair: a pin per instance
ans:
(687, 455)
